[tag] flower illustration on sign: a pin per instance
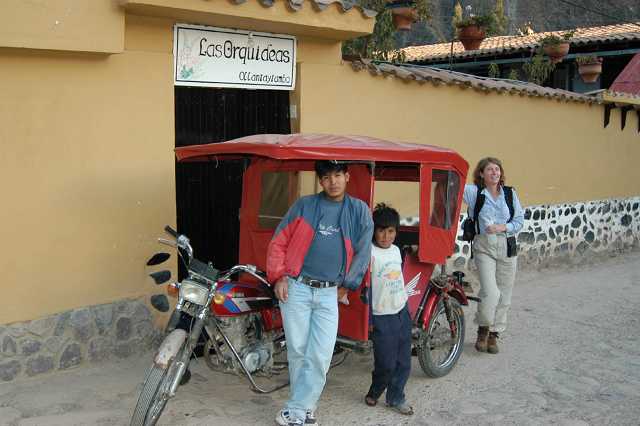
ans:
(185, 74)
(189, 61)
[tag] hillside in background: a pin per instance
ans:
(540, 15)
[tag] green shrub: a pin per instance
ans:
(494, 70)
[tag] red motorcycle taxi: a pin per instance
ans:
(235, 312)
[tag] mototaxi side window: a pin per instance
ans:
(445, 185)
(279, 191)
(439, 205)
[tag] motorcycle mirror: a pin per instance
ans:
(169, 230)
(160, 302)
(161, 277)
(158, 258)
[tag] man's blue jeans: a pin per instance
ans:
(310, 319)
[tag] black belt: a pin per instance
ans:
(317, 283)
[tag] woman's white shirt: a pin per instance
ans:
(494, 211)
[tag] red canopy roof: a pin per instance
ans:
(329, 147)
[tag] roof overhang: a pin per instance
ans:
(503, 46)
(621, 99)
(436, 76)
(334, 20)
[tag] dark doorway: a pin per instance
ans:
(208, 194)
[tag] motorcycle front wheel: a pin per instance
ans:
(155, 392)
(438, 347)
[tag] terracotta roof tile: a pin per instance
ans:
(512, 44)
(319, 4)
(438, 76)
(620, 98)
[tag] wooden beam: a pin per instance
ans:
(607, 113)
(623, 116)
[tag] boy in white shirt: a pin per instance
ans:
(391, 333)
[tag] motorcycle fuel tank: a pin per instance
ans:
(236, 298)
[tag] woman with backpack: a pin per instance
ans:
(497, 217)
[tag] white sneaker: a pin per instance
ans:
(284, 419)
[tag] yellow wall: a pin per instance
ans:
(98, 26)
(87, 167)
(552, 152)
(332, 23)
(74, 25)
(87, 172)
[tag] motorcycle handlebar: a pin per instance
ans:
(249, 269)
(207, 270)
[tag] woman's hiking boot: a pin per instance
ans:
(481, 343)
(492, 343)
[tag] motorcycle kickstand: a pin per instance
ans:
(254, 386)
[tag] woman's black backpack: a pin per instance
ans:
(470, 226)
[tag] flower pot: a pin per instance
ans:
(590, 72)
(403, 17)
(471, 36)
(556, 52)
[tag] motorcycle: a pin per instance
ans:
(232, 317)
(238, 319)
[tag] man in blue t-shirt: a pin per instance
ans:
(320, 250)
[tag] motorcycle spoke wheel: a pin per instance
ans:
(154, 394)
(439, 347)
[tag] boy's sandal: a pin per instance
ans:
(403, 408)
(370, 401)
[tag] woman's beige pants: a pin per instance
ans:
(497, 273)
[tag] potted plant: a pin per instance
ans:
(556, 47)
(589, 67)
(403, 13)
(473, 29)
(538, 68)
(381, 44)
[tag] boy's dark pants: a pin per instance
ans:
(392, 356)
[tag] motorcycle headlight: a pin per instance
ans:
(194, 292)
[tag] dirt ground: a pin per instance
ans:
(570, 357)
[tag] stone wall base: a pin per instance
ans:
(563, 234)
(75, 337)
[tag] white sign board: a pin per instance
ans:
(219, 57)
